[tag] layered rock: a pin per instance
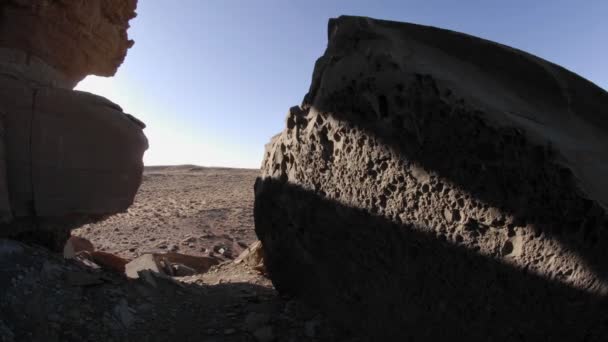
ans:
(79, 38)
(66, 157)
(433, 184)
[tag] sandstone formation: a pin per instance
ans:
(78, 38)
(434, 185)
(66, 157)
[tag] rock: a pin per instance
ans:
(253, 256)
(78, 39)
(144, 262)
(148, 276)
(180, 270)
(76, 245)
(173, 264)
(109, 261)
(426, 166)
(188, 240)
(310, 328)
(50, 180)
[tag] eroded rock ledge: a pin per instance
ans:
(433, 184)
(79, 38)
(66, 157)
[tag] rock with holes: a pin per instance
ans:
(66, 157)
(435, 185)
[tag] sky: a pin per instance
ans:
(214, 79)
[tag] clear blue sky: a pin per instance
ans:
(213, 79)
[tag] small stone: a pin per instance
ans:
(229, 331)
(189, 240)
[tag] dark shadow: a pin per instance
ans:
(46, 298)
(380, 280)
(426, 124)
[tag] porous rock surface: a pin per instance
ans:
(436, 185)
(79, 38)
(66, 157)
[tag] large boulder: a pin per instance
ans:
(435, 185)
(66, 157)
(76, 37)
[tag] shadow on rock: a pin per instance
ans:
(381, 279)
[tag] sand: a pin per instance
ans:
(188, 209)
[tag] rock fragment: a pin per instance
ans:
(76, 245)
(172, 264)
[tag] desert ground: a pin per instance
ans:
(187, 209)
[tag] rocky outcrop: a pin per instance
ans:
(436, 185)
(78, 38)
(66, 157)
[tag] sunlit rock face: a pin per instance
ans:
(77, 37)
(436, 185)
(66, 157)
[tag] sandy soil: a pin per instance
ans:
(186, 209)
